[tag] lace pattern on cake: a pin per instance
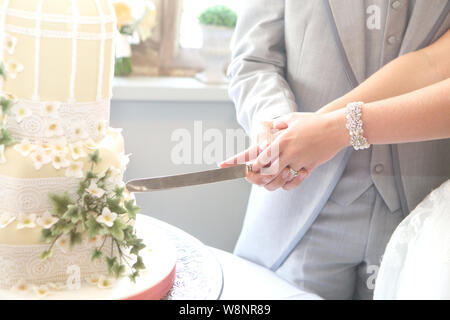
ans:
(34, 127)
(31, 196)
(23, 263)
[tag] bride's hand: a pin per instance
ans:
(306, 141)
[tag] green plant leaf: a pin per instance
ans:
(139, 265)
(93, 227)
(6, 138)
(116, 231)
(118, 269)
(46, 235)
(114, 205)
(132, 209)
(73, 213)
(96, 254)
(136, 247)
(219, 15)
(46, 254)
(95, 156)
(110, 262)
(60, 203)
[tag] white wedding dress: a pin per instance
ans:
(416, 263)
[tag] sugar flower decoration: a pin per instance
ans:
(6, 219)
(50, 109)
(24, 147)
(60, 161)
(90, 144)
(13, 68)
(115, 178)
(21, 286)
(93, 279)
(94, 190)
(41, 291)
(10, 43)
(26, 221)
(107, 217)
(53, 129)
(101, 128)
(79, 131)
(21, 113)
(47, 220)
(63, 243)
(59, 146)
(75, 169)
(2, 154)
(77, 150)
(40, 157)
(105, 282)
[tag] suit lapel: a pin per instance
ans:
(423, 24)
(349, 18)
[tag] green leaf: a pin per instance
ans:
(2, 70)
(93, 227)
(133, 276)
(6, 138)
(118, 192)
(138, 246)
(46, 254)
(46, 235)
(110, 262)
(73, 213)
(116, 230)
(60, 203)
(97, 254)
(139, 265)
(75, 238)
(114, 206)
(95, 157)
(6, 105)
(118, 269)
(132, 209)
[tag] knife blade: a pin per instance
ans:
(187, 179)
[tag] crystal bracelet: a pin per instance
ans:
(355, 126)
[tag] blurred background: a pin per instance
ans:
(170, 75)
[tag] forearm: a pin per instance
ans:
(420, 115)
(405, 74)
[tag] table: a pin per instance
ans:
(206, 273)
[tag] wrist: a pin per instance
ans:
(336, 124)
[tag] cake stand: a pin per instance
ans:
(178, 267)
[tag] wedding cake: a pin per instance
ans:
(65, 215)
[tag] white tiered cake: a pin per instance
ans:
(62, 201)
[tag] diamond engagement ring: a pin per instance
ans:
(293, 172)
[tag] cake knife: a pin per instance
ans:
(188, 179)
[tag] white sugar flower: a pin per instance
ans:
(94, 190)
(6, 219)
(53, 129)
(107, 217)
(75, 169)
(60, 146)
(124, 161)
(25, 147)
(105, 282)
(21, 286)
(2, 154)
(56, 285)
(79, 132)
(93, 279)
(26, 221)
(40, 157)
(46, 221)
(10, 43)
(90, 144)
(21, 113)
(77, 150)
(50, 109)
(115, 178)
(101, 128)
(13, 68)
(63, 243)
(59, 161)
(41, 291)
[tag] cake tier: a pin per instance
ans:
(25, 190)
(61, 50)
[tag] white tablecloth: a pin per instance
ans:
(246, 280)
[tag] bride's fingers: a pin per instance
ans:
(294, 183)
(242, 157)
(279, 181)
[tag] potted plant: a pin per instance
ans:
(217, 23)
(135, 21)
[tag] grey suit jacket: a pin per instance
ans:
(291, 55)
